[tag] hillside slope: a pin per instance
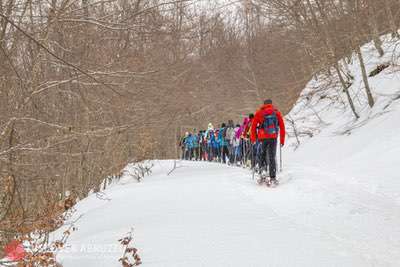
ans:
(338, 203)
(364, 151)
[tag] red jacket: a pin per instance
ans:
(257, 132)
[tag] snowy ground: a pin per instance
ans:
(207, 214)
(363, 152)
(338, 203)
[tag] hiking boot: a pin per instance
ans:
(261, 180)
(274, 181)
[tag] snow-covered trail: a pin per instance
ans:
(338, 203)
(208, 214)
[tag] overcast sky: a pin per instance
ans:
(217, 5)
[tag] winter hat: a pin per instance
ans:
(267, 102)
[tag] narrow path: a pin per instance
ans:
(207, 214)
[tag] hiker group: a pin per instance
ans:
(252, 143)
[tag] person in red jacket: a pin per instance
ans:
(267, 125)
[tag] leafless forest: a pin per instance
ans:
(87, 86)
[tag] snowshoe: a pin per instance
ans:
(261, 180)
(272, 183)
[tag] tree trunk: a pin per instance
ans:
(371, 101)
(346, 90)
(85, 8)
(378, 44)
(375, 30)
(391, 20)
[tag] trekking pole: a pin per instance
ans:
(252, 159)
(244, 153)
(280, 157)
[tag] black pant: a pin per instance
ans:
(189, 153)
(196, 153)
(201, 152)
(231, 154)
(268, 156)
(210, 152)
(217, 153)
(183, 152)
(224, 153)
(253, 154)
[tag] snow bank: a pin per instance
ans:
(364, 151)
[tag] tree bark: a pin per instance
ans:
(391, 20)
(371, 100)
(372, 21)
(346, 90)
